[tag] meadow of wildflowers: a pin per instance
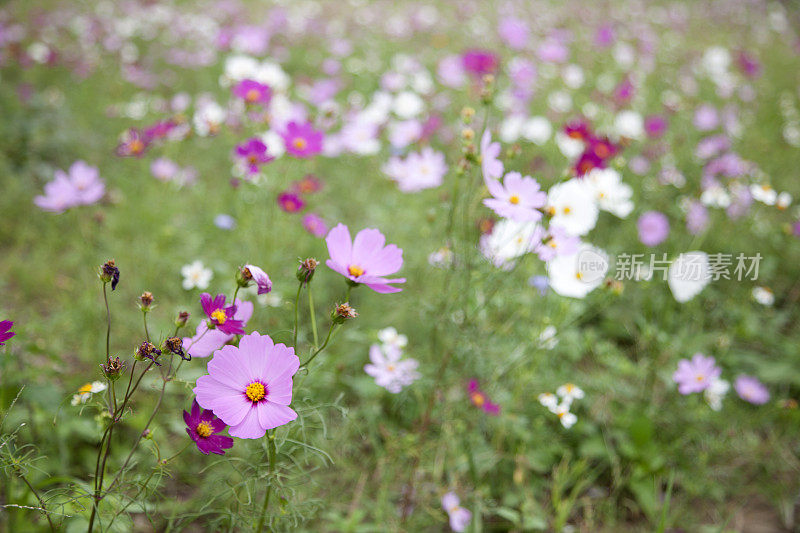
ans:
(399, 266)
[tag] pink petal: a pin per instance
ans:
(366, 246)
(249, 427)
(272, 415)
(339, 244)
(229, 404)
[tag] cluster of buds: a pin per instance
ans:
(175, 345)
(487, 91)
(343, 312)
(147, 350)
(305, 272)
(146, 301)
(112, 369)
(109, 273)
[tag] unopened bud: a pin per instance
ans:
(181, 319)
(467, 114)
(467, 134)
(306, 270)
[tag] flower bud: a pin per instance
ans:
(181, 319)
(306, 270)
(467, 134)
(243, 276)
(112, 370)
(467, 114)
(145, 301)
(342, 313)
(109, 272)
(147, 350)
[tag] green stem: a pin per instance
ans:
(233, 302)
(296, 314)
(324, 344)
(265, 505)
(313, 314)
(108, 321)
(19, 473)
(144, 319)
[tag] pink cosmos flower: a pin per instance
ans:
(133, 143)
(261, 278)
(250, 386)
(389, 370)
(253, 153)
(655, 126)
(164, 169)
(653, 228)
(459, 517)
(366, 259)
(207, 341)
(480, 399)
(219, 316)
(202, 427)
(308, 185)
(557, 242)
(315, 225)
(5, 331)
(81, 186)
(751, 390)
(253, 92)
(302, 140)
(514, 32)
(696, 375)
(517, 198)
(290, 202)
(491, 166)
(418, 171)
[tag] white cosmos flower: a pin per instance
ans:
(688, 275)
(86, 391)
(567, 419)
(572, 206)
(763, 295)
(549, 400)
(571, 148)
(716, 60)
(538, 130)
(208, 118)
(573, 76)
(764, 193)
(578, 274)
(195, 275)
(783, 201)
(509, 240)
(391, 337)
(511, 128)
(239, 67)
(610, 193)
(629, 124)
(715, 393)
(275, 145)
(389, 370)
(716, 196)
(570, 392)
(407, 104)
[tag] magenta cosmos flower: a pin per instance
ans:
(302, 140)
(207, 341)
(253, 152)
(480, 399)
(315, 225)
(480, 62)
(696, 375)
(751, 390)
(290, 202)
(250, 387)
(221, 317)
(253, 92)
(366, 259)
(518, 198)
(5, 331)
(202, 427)
(133, 143)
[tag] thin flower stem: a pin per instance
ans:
(19, 473)
(296, 314)
(108, 321)
(233, 302)
(324, 344)
(313, 314)
(265, 505)
(144, 319)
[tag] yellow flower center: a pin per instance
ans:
(700, 377)
(136, 146)
(579, 275)
(355, 270)
(390, 368)
(220, 316)
(299, 143)
(204, 429)
(252, 95)
(551, 211)
(478, 399)
(86, 388)
(514, 199)
(255, 391)
(561, 414)
(567, 210)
